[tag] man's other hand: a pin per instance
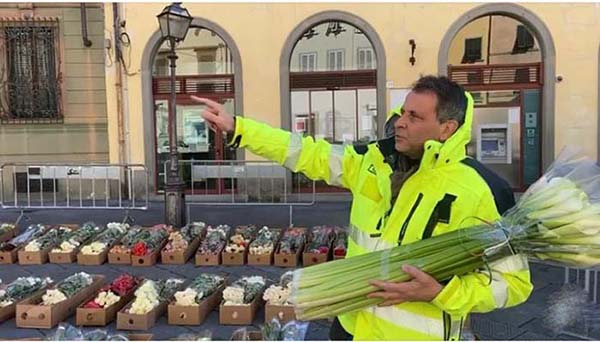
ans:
(421, 288)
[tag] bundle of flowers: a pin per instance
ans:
(321, 237)
(243, 291)
(291, 241)
(21, 288)
(51, 238)
(557, 218)
(124, 247)
(340, 244)
(150, 239)
(214, 240)
(112, 293)
(151, 293)
(76, 237)
(264, 242)
(7, 227)
(201, 287)
(239, 241)
(279, 294)
(180, 240)
(112, 233)
(67, 288)
(32, 232)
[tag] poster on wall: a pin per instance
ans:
(300, 124)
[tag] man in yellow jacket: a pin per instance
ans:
(416, 183)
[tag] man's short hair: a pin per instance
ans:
(451, 99)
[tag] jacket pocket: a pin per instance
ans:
(441, 214)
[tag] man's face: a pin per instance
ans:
(418, 124)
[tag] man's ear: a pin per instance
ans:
(448, 128)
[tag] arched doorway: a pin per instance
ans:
(500, 55)
(333, 80)
(208, 65)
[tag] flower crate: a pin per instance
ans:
(232, 311)
(212, 245)
(284, 313)
(264, 241)
(9, 249)
(97, 259)
(42, 256)
(236, 250)
(318, 249)
(288, 252)
(65, 252)
(8, 312)
(7, 231)
(31, 314)
(195, 315)
(133, 321)
(188, 237)
(103, 316)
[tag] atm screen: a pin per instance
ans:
(488, 146)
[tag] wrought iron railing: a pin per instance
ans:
(30, 78)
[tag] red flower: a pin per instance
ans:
(123, 284)
(139, 249)
(323, 250)
(92, 305)
(339, 251)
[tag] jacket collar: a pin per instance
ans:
(436, 153)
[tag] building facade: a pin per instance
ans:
(330, 70)
(52, 86)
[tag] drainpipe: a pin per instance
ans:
(119, 83)
(84, 30)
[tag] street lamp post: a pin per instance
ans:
(174, 23)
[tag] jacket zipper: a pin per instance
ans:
(407, 221)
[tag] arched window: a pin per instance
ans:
(333, 83)
(205, 68)
(499, 60)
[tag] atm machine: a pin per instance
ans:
(494, 143)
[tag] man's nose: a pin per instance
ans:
(400, 123)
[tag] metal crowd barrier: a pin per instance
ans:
(244, 183)
(26, 186)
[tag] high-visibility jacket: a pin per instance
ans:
(448, 191)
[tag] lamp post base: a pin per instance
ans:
(175, 213)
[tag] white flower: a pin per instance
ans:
(32, 246)
(93, 248)
(146, 298)
(52, 297)
(121, 227)
(277, 295)
(66, 247)
(233, 295)
(106, 298)
(6, 301)
(186, 297)
(256, 279)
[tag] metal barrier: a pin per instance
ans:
(244, 183)
(69, 186)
